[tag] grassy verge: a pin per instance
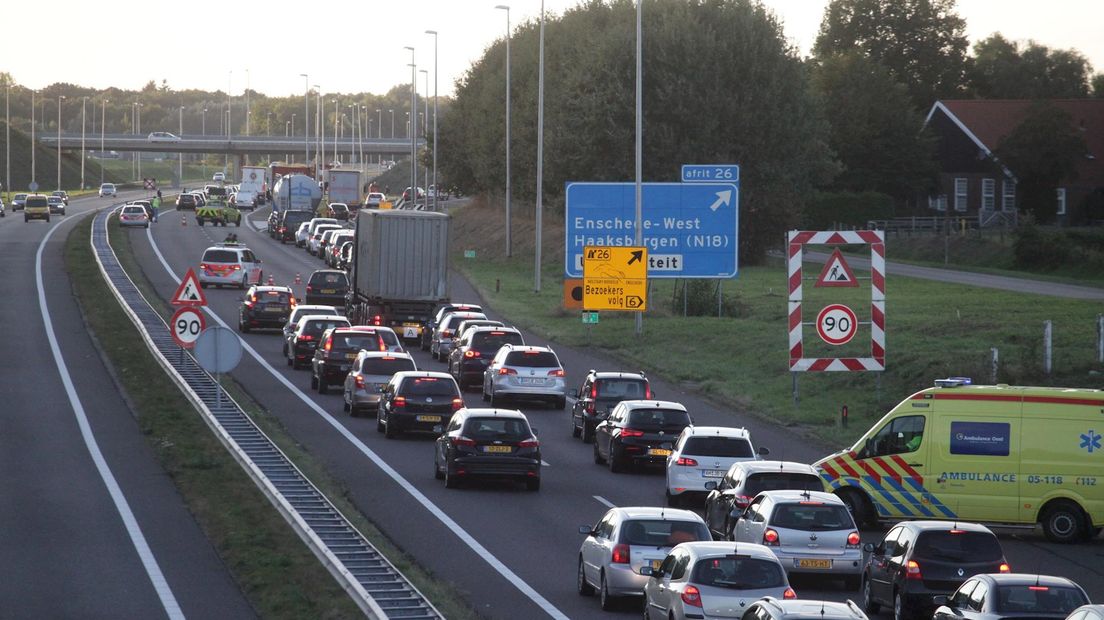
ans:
(277, 573)
(933, 330)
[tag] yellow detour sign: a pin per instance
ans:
(615, 278)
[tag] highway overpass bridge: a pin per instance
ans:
(234, 145)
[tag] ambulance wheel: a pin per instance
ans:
(859, 505)
(1064, 522)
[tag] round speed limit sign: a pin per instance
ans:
(836, 324)
(186, 326)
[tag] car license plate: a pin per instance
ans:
(328, 291)
(658, 452)
(429, 418)
(808, 563)
(350, 356)
(714, 473)
(412, 331)
(498, 449)
(656, 564)
(528, 381)
(273, 309)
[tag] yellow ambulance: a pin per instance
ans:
(998, 454)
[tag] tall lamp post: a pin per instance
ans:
(436, 188)
(639, 328)
(180, 155)
(103, 127)
(306, 118)
(379, 132)
(337, 119)
(60, 99)
(84, 104)
(320, 151)
(392, 124)
(138, 130)
(33, 139)
(203, 130)
(425, 128)
(7, 139)
(509, 241)
(287, 133)
(268, 123)
(540, 156)
(286, 156)
(413, 126)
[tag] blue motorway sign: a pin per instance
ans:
(710, 173)
(690, 229)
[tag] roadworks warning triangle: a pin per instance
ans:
(189, 293)
(836, 272)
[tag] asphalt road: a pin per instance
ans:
(64, 547)
(513, 553)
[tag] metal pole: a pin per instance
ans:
(203, 157)
(639, 322)
(103, 127)
(392, 124)
(32, 137)
(84, 103)
(247, 102)
(1048, 343)
(540, 157)
(994, 355)
(7, 139)
(1100, 338)
(138, 122)
(509, 232)
(425, 130)
(60, 99)
(337, 119)
(436, 146)
(180, 155)
(413, 126)
(306, 118)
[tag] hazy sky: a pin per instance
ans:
(358, 46)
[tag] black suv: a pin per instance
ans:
(327, 287)
(488, 443)
(186, 201)
(337, 348)
(917, 560)
(475, 350)
(600, 393)
(417, 401)
(285, 224)
(300, 345)
(438, 314)
(639, 433)
(265, 306)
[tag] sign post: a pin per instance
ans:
(615, 278)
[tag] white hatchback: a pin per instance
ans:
(107, 189)
(702, 455)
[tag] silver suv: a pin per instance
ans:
(525, 372)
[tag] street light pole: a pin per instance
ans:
(392, 124)
(247, 102)
(84, 103)
(306, 118)
(413, 131)
(639, 328)
(337, 119)
(7, 139)
(33, 138)
(287, 130)
(180, 155)
(436, 146)
(103, 127)
(540, 156)
(203, 130)
(138, 124)
(320, 136)
(425, 129)
(509, 240)
(60, 99)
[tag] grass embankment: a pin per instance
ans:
(278, 574)
(933, 330)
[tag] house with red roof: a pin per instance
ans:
(974, 182)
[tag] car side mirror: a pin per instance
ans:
(648, 572)
(939, 600)
(709, 486)
(868, 547)
(438, 429)
(586, 530)
(763, 451)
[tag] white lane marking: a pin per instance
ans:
(605, 502)
(403, 483)
(544, 463)
(153, 570)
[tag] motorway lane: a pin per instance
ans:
(74, 556)
(535, 535)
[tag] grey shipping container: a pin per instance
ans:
(401, 256)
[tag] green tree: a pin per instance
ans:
(1098, 86)
(875, 132)
(1001, 70)
(1042, 151)
(922, 42)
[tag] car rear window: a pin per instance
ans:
(621, 389)
(329, 280)
(428, 386)
(730, 447)
(385, 365)
(532, 359)
(957, 546)
(296, 217)
(315, 328)
(490, 429)
(1031, 598)
(485, 342)
(134, 210)
(777, 481)
(219, 256)
(657, 418)
(300, 313)
(37, 201)
(738, 573)
(272, 297)
(661, 532)
(812, 517)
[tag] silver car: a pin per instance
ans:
(811, 532)
(441, 344)
(525, 372)
(303, 310)
(714, 580)
(301, 234)
(371, 371)
(627, 540)
(771, 608)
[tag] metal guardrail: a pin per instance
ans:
(375, 585)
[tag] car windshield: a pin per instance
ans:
(658, 418)
(491, 429)
(274, 297)
(812, 516)
(957, 545)
(1031, 598)
(329, 280)
(775, 481)
(355, 341)
(730, 447)
(315, 328)
(738, 573)
(662, 532)
(428, 386)
(532, 359)
(218, 256)
(485, 342)
(385, 365)
(621, 389)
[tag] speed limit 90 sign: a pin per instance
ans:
(186, 326)
(836, 324)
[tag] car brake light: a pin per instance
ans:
(203, 266)
(556, 373)
(1005, 568)
(237, 267)
(1038, 588)
(532, 442)
(400, 401)
(853, 539)
(506, 371)
(457, 404)
(309, 289)
(789, 594)
(306, 338)
(471, 353)
(359, 381)
(594, 390)
(377, 320)
(463, 441)
(686, 462)
(446, 333)
(692, 596)
(329, 344)
(912, 570)
(770, 538)
(590, 408)
(631, 432)
(648, 396)
(620, 554)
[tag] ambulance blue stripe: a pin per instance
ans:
(933, 500)
(889, 498)
(910, 497)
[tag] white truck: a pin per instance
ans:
(254, 184)
(344, 186)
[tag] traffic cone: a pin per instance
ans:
(298, 280)
(270, 280)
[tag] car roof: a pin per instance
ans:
(488, 412)
(825, 610)
(422, 373)
(527, 347)
(317, 271)
(716, 431)
(1028, 579)
(305, 307)
(713, 549)
(382, 354)
(306, 318)
(788, 467)
(618, 374)
(653, 404)
(370, 328)
(493, 328)
(794, 495)
(932, 525)
(264, 288)
(657, 512)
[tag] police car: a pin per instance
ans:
(229, 264)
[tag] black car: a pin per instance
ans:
(474, 352)
(488, 443)
(287, 222)
(300, 345)
(417, 401)
(336, 350)
(187, 201)
(918, 560)
(327, 287)
(340, 211)
(265, 307)
(599, 394)
(1012, 597)
(439, 313)
(639, 433)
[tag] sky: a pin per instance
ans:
(358, 46)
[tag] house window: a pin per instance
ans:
(961, 185)
(988, 194)
(1061, 201)
(1008, 195)
(939, 203)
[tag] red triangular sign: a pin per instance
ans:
(836, 272)
(189, 293)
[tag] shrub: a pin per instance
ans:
(826, 210)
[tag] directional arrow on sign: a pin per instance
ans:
(723, 198)
(636, 256)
